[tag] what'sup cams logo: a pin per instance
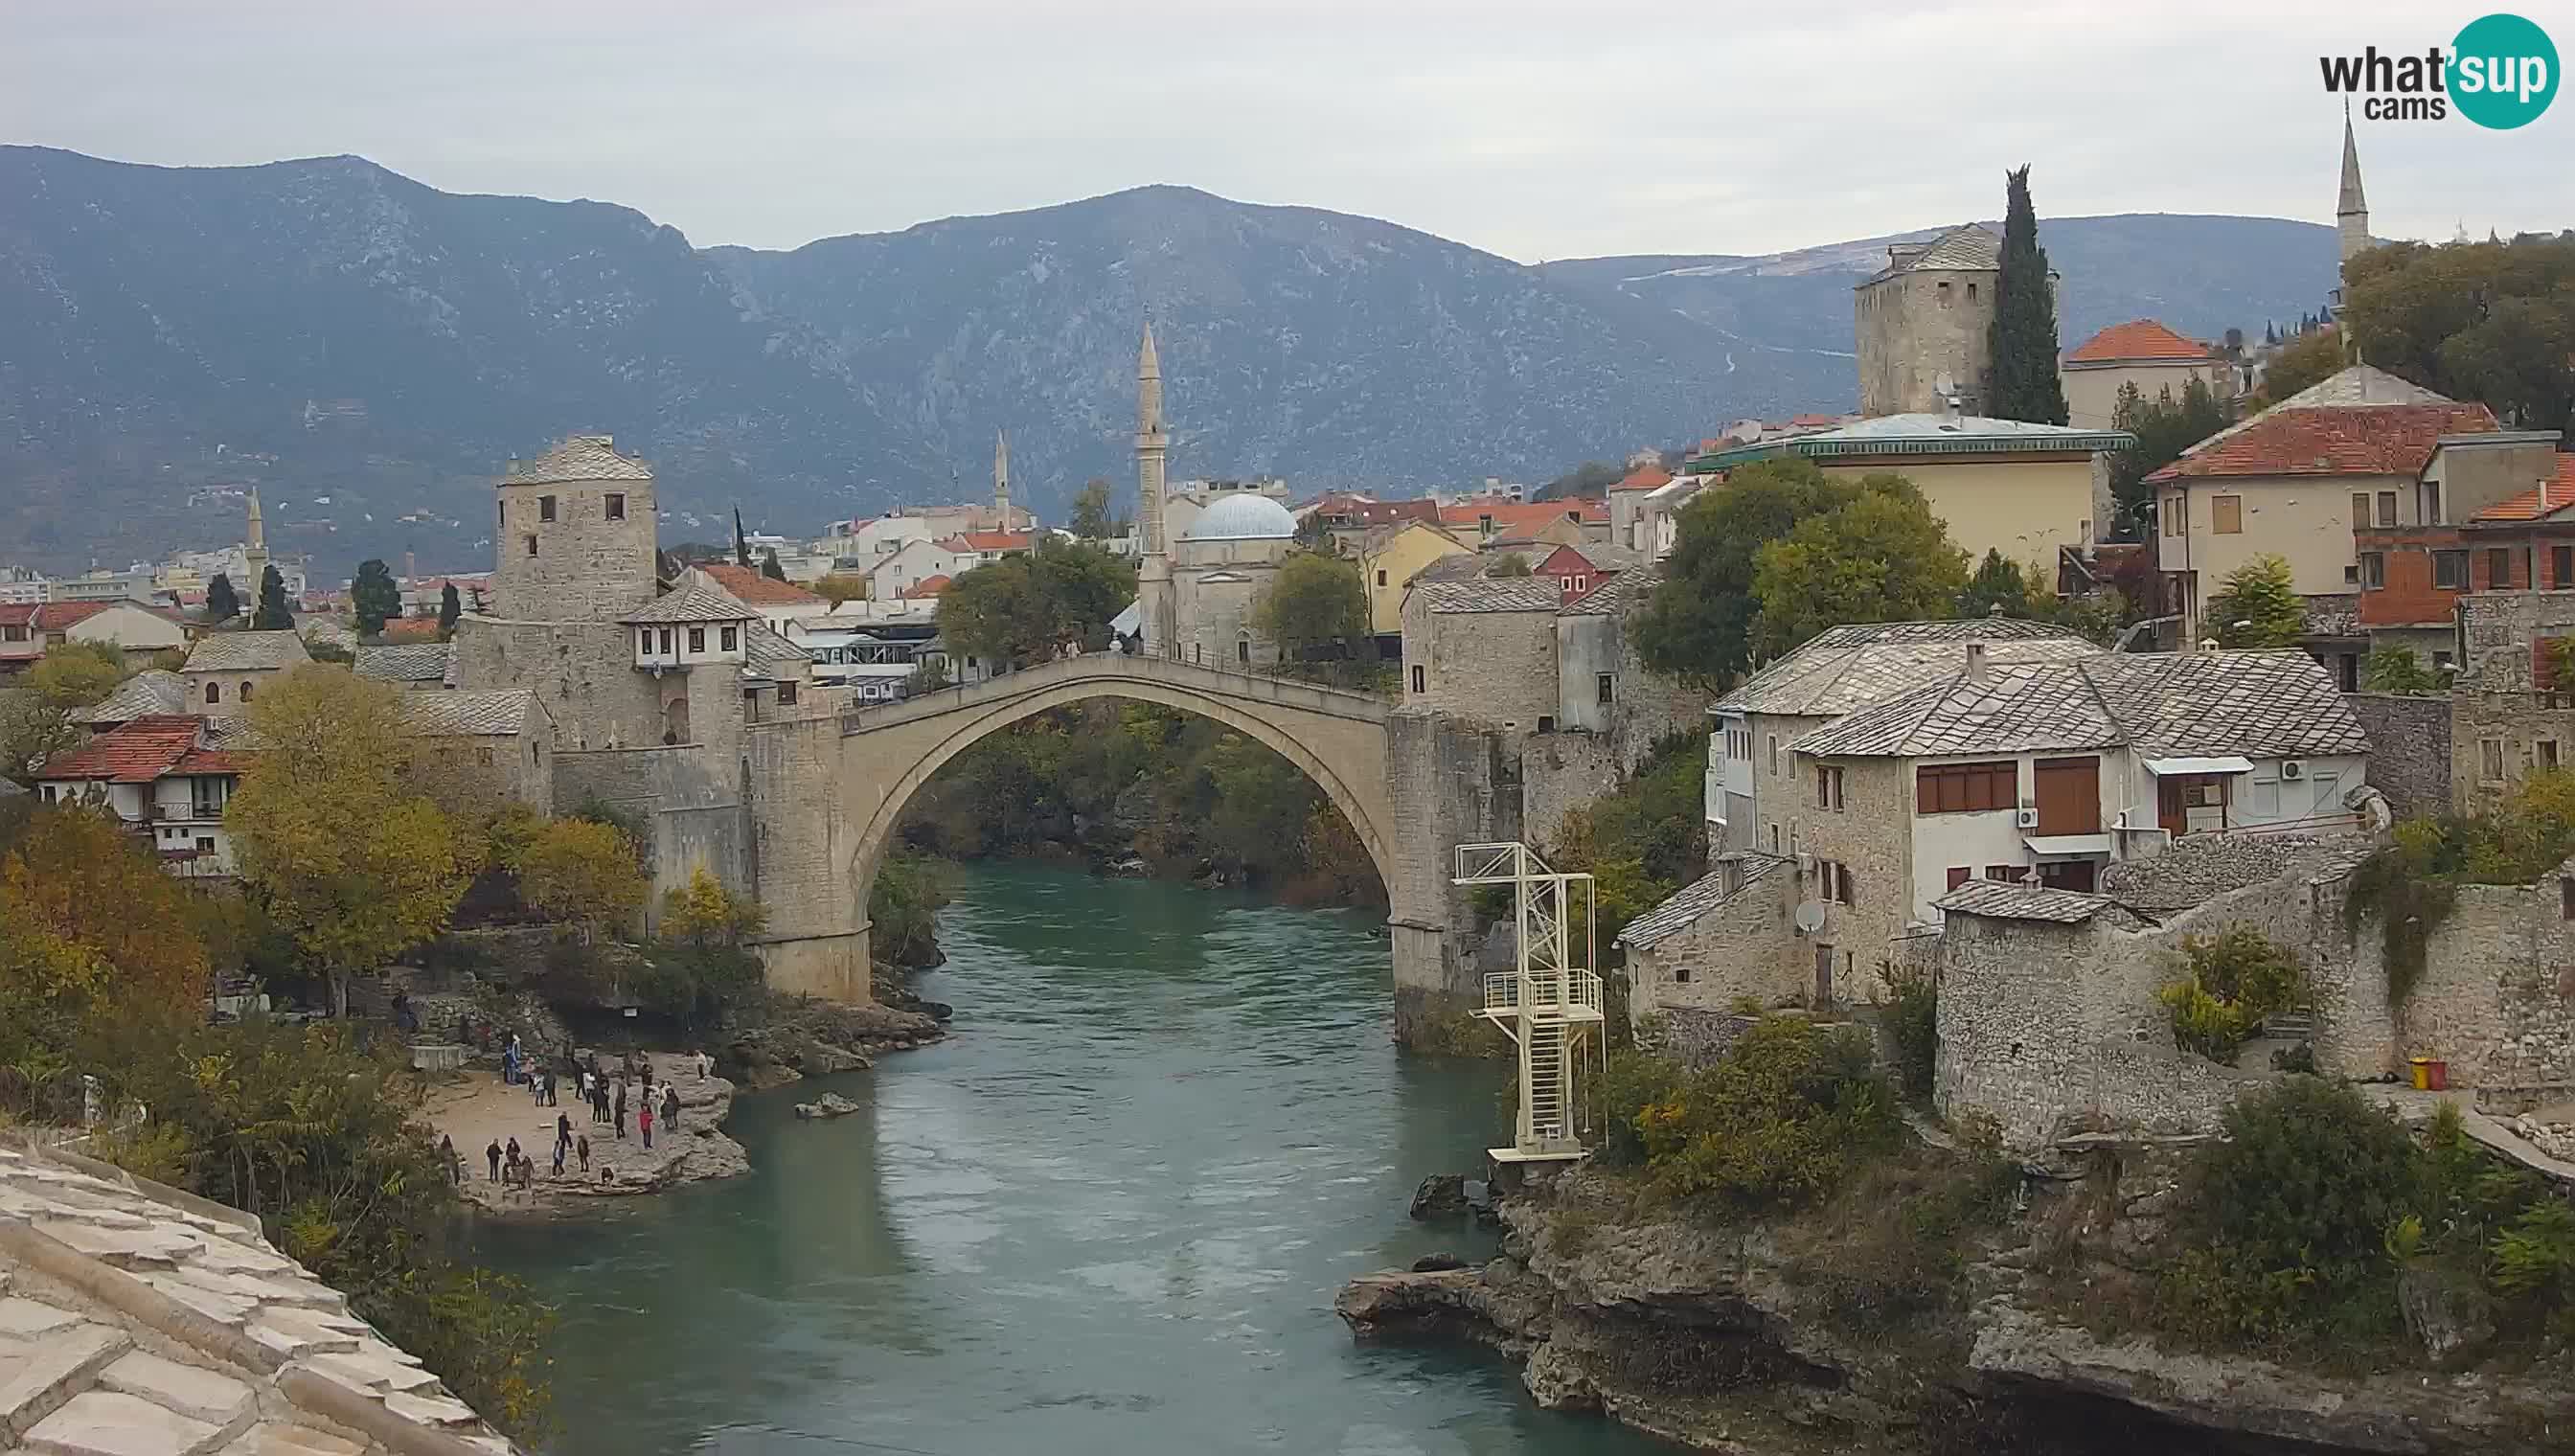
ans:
(2501, 73)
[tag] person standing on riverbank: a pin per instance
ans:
(643, 1119)
(670, 1109)
(621, 1111)
(583, 1145)
(493, 1155)
(454, 1160)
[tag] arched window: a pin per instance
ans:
(245, 690)
(213, 692)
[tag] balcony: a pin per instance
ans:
(1572, 996)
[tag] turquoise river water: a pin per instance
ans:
(1107, 1215)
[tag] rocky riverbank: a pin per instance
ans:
(478, 1109)
(1729, 1338)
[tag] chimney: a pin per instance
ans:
(1975, 662)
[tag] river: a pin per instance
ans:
(1107, 1215)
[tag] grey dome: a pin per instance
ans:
(1242, 518)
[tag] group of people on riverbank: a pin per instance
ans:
(607, 1091)
(608, 1099)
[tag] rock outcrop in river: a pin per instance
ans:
(1710, 1336)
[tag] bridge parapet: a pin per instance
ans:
(1109, 668)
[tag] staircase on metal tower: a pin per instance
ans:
(1549, 1006)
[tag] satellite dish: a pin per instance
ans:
(1942, 384)
(1810, 919)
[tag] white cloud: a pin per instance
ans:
(1533, 130)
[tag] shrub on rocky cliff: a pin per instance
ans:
(1778, 1122)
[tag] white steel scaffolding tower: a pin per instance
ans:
(1549, 1006)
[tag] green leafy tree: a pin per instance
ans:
(2310, 360)
(1591, 478)
(2491, 321)
(222, 602)
(1880, 558)
(31, 731)
(1512, 564)
(1022, 608)
(581, 871)
(2164, 427)
(272, 614)
(77, 673)
(2398, 670)
(375, 596)
(1314, 607)
(770, 568)
(343, 854)
(930, 675)
(1094, 517)
(2023, 336)
(2258, 607)
(839, 586)
(702, 912)
(1997, 584)
(451, 610)
(1698, 625)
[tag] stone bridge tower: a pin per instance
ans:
(574, 535)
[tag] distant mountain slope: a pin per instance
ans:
(370, 350)
(1789, 314)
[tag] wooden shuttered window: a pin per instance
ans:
(1940, 789)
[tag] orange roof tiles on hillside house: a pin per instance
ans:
(927, 587)
(2370, 439)
(410, 628)
(2137, 339)
(994, 541)
(2552, 494)
(1645, 478)
(1512, 517)
(136, 752)
(747, 585)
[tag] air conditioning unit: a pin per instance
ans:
(2292, 768)
(2027, 818)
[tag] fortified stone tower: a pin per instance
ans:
(1923, 325)
(1154, 571)
(574, 536)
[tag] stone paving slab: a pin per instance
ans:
(106, 1423)
(199, 1394)
(277, 1440)
(28, 1320)
(36, 1376)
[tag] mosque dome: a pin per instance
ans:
(1244, 518)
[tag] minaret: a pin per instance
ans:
(1154, 571)
(254, 552)
(2351, 211)
(1001, 480)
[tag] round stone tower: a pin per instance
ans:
(574, 536)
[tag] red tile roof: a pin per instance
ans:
(1813, 421)
(58, 616)
(1645, 478)
(18, 613)
(995, 539)
(134, 753)
(1524, 516)
(2349, 440)
(214, 760)
(748, 586)
(2553, 495)
(410, 628)
(927, 587)
(2136, 339)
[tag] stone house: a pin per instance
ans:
(1627, 495)
(1578, 570)
(2508, 713)
(1923, 325)
(2491, 512)
(1390, 556)
(1838, 671)
(225, 670)
(2297, 481)
(411, 667)
(1559, 523)
(163, 776)
(1483, 650)
(913, 561)
(2026, 491)
(2143, 353)
(474, 747)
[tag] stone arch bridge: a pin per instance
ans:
(826, 796)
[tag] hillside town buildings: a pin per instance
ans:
(2145, 356)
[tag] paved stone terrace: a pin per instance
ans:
(136, 1320)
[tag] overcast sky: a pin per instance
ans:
(1535, 130)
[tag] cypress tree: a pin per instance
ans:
(741, 543)
(374, 596)
(2024, 341)
(770, 568)
(450, 608)
(272, 614)
(222, 604)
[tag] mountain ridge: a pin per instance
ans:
(368, 347)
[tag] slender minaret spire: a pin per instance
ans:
(2352, 211)
(255, 550)
(1001, 480)
(1154, 571)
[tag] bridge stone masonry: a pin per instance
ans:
(826, 795)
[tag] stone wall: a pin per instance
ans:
(1913, 328)
(583, 671)
(1450, 783)
(585, 567)
(2497, 997)
(691, 815)
(2498, 737)
(2409, 743)
(1563, 772)
(1743, 947)
(802, 860)
(1873, 834)
(1494, 667)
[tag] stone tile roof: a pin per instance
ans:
(1967, 246)
(2259, 705)
(749, 587)
(2364, 440)
(765, 651)
(467, 714)
(2197, 868)
(406, 661)
(2138, 339)
(690, 604)
(2000, 901)
(1694, 900)
(2551, 496)
(153, 690)
(140, 1320)
(1843, 669)
(1614, 597)
(135, 753)
(1492, 594)
(239, 652)
(578, 458)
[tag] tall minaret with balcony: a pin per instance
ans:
(253, 556)
(2351, 209)
(1001, 480)
(1153, 571)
